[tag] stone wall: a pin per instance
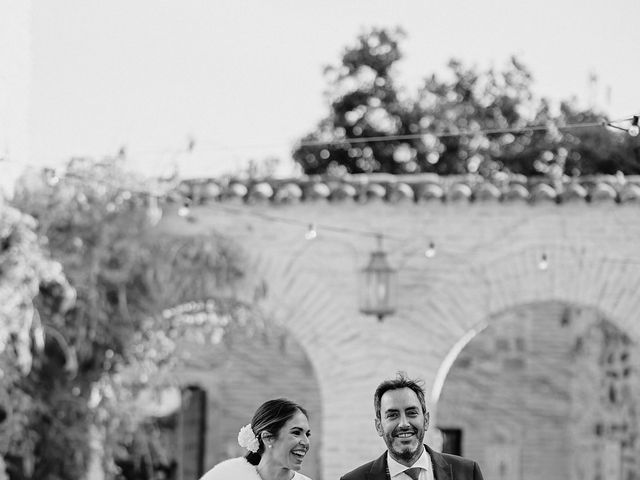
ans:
(237, 377)
(542, 392)
(487, 262)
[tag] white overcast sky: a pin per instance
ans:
(244, 77)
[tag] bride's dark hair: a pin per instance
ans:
(271, 417)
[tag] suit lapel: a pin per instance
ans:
(441, 469)
(378, 469)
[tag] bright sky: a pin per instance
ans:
(243, 78)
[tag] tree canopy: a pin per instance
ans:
(28, 276)
(454, 123)
(85, 287)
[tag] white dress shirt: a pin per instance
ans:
(396, 470)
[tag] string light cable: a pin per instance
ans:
(184, 210)
(448, 133)
(312, 229)
(632, 129)
(486, 131)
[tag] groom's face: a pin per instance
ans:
(402, 424)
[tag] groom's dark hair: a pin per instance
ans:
(401, 381)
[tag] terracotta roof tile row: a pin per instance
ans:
(413, 188)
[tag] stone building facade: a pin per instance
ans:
(547, 381)
(533, 288)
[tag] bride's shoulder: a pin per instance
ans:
(233, 468)
(299, 476)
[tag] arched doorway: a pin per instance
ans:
(547, 390)
(238, 375)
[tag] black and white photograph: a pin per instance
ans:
(319, 240)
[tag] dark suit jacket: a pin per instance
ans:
(445, 467)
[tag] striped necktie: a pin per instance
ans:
(413, 472)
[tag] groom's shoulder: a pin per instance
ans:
(463, 466)
(456, 459)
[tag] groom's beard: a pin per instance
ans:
(405, 452)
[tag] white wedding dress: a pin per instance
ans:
(239, 469)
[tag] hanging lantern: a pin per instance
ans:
(378, 285)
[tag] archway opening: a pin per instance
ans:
(240, 374)
(546, 390)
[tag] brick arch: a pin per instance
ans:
(300, 286)
(306, 306)
(574, 276)
(238, 374)
(323, 318)
(486, 263)
(538, 380)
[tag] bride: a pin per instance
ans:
(277, 439)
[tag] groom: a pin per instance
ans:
(402, 419)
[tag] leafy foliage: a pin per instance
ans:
(27, 276)
(105, 335)
(444, 127)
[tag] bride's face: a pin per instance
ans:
(291, 444)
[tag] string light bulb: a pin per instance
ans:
(52, 177)
(634, 129)
(311, 232)
(543, 264)
(185, 209)
(430, 252)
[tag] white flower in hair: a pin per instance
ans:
(247, 439)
